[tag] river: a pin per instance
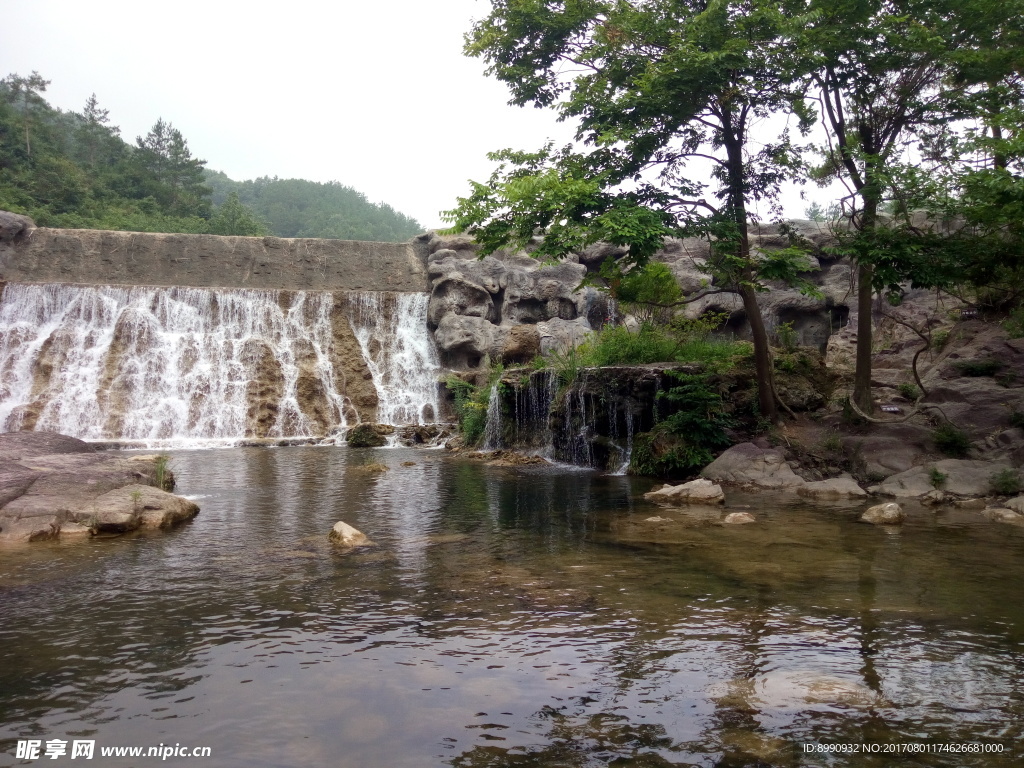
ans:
(526, 616)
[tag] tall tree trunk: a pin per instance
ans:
(733, 142)
(870, 194)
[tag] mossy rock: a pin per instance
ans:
(365, 436)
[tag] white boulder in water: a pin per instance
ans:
(345, 535)
(693, 492)
(883, 514)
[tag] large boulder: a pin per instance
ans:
(962, 477)
(14, 227)
(747, 464)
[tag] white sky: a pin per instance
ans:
(375, 95)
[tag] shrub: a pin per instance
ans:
(1017, 419)
(164, 477)
(470, 408)
(979, 367)
(1014, 324)
(951, 440)
(683, 443)
(1006, 482)
(936, 477)
(617, 345)
(908, 391)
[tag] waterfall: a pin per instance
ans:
(392, 332)
(145, 363)
(492, 429)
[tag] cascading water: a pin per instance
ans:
(392, 332)
(492, 428)
(145, 363)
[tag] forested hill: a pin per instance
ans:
(73, 169)
(300, 208)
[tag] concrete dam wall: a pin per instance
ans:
(96, 257)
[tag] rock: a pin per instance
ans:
(521, 345)
(746, 464)
(14, 227)
(963, 477)
(1002, 515)
(1017, 504)
(935, 497)
(890, 513)
(739, 518)
(76, 490)
(345, 535)
(374, 467)
(694, 492)
(843, 487)
(367, 435)
(969, 503)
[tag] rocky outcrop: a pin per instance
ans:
(369, 435)
(959, 477)
(53, 485)
(842, 487)
(507, 306)
(15, 228)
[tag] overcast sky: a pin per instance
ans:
(377, 96)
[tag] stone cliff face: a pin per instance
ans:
(506, 307)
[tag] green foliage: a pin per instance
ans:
(567, 365)
(683, 443)
(951, 440)
(786, 335)
(1006, 482)
(233, 218)
(1017, 419)
(908, 391)
(1014, 324)
(470, 408)
(979, 367)
(617, 345)
(162, 474)
(939, 340)
(649, 293)
(832, 441)
(300, 208)
(936, 477)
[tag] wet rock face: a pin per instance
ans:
(504, 307)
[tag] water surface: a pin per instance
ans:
(511, 617)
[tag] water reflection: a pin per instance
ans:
(510, 617)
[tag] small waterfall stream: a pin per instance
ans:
(392, 332)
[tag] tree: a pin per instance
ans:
(656, 87)
(169, 172)
(95, 134)
(233, 218)
(887, 72)
(28, 90)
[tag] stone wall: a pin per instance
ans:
(98, 257)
